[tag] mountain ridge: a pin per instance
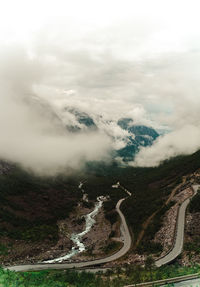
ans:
(128, 136)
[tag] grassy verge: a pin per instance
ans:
(69, 278)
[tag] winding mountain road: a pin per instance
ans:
(125, 234)
(178, 245)
(126, 237)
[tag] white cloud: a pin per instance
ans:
(137, 59)
(31, 132)
(180, 142)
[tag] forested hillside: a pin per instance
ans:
(31, 206)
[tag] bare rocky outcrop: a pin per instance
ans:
(192, 236)
(192, 224)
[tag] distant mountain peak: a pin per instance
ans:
(127, 137)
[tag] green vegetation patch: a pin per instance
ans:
(118, 277)
(193, 246)
(30, 206)
(195, 203)
(3, 249)
(41, 232)
(111, 247)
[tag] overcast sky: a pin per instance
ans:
(139, 59)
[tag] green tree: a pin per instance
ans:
(150, 265)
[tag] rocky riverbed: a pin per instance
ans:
(95, 241)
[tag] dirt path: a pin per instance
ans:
(148, 220)
(175, 190)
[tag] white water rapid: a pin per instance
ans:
(76, 238)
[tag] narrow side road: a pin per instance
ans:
(181, 279)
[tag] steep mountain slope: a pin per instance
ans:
(78, 120)
(5, 167)
(139, 136)
(31, 206)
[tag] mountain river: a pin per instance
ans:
(76, 238)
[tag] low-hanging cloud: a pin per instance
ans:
(178, 86)
(33, 101)
(109, 63)
(31, 132)
(180, 142)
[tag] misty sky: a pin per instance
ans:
(138, 59)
